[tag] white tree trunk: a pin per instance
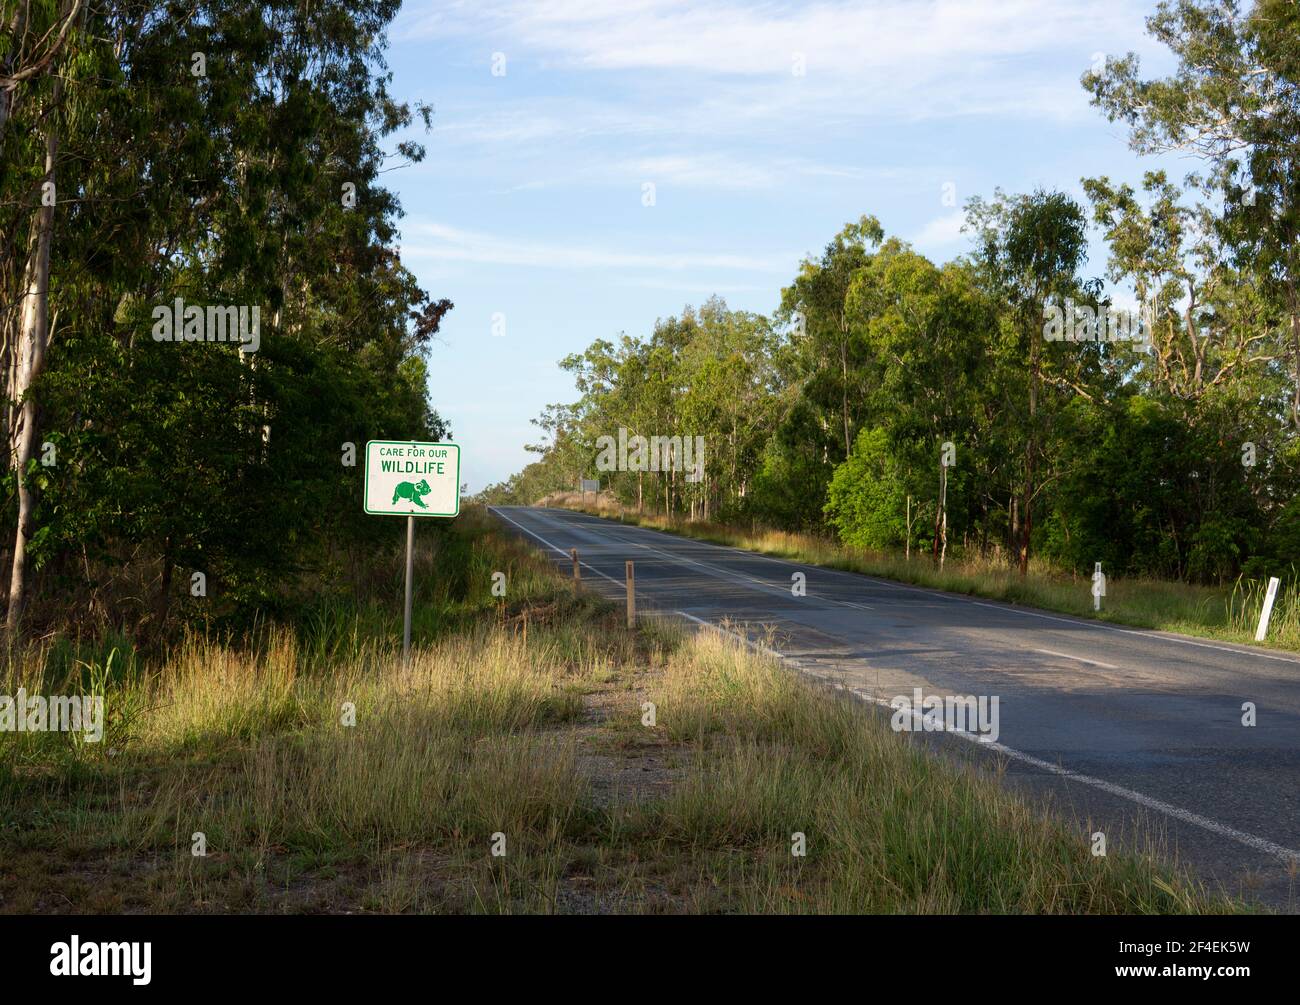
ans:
(34, 333)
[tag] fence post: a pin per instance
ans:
(577, 570)
(631, 596)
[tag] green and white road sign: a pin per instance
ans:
(412, 479)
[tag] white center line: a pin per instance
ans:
(1067, 656)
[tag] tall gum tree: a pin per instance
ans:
(29, 352)
(1234, 101)
(1031, 247)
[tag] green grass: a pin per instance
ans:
(518, 719)
(1229, 613)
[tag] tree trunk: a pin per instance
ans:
(34, 337)
(164, 589)
(844, 370)
(1294, 306)
(907, 544)
(1027, 515)
(938, 512)
(941, 517)
(1031, 455)
(1013, 540)
(7, 66)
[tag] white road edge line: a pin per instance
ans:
(493, 509)
(1178, 813)
(1067, 656)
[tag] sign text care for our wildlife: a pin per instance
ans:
(412, 479)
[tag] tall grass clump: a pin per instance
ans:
(889, 826)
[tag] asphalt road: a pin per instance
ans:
(1133, 733)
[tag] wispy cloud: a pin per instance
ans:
(725, 37)
(439, 242)
(699, 289)
(725, 171)
(533, 145)
(943, 230)
(861, 57)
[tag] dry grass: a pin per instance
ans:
(888, 826)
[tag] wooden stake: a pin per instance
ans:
(631, 597)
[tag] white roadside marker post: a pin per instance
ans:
(1267, 612)
(1098, 587)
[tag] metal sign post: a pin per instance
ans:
(410, 576)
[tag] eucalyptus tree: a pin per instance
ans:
(1233, 101)
(928, 331)
(224, 153)
(817, 297)
(728, 400)
(1030, 250)
(1205, 327)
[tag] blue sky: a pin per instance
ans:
(530, 201)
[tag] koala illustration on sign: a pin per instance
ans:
(415, 493)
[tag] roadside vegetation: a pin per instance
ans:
(1229, 613)
(156, 167)
(519, 723)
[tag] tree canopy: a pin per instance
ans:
(220, 155)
